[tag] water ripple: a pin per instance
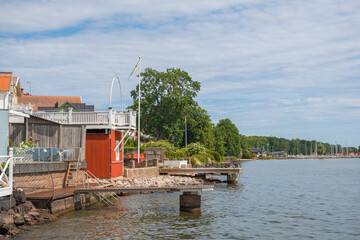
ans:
(293, 199)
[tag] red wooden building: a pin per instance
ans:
(105, 134)
(102, 158)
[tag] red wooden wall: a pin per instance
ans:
(98, 154)
(101, 157)
(116, 166)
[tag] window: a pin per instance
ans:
(117, 151)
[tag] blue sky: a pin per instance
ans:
(275, 68)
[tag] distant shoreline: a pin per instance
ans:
(304, 157)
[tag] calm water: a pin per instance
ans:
(279, 199)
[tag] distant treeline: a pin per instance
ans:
(296, 146)
(170, 114)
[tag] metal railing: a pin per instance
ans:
(93, 182)
(110, 117)
(6, 176)
(41, 154)
(146, 163)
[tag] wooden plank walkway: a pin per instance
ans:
(55, 194)
(146, 189)
(201, 170)
(69, 192)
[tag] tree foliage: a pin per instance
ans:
(166, 98)
(227, 138)
(294, 146)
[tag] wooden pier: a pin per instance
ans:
(59, 199)
(145, 189)
(201, 170)
(190, 200)
(232, 173)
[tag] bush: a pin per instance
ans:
(216, 155)
(163, 144)
(247, 154)
(27, 143)
(197, 148)
(201, 158)
(193, 162)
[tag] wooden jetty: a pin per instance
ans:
(232, 173)
(190, 199)
(145, 189)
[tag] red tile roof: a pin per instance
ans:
(47, 101)
(5, 80)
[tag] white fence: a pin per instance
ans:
(6, 176)
(175, 164)
(111, 117)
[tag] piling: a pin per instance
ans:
(190, 201)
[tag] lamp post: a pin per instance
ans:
(30, 86)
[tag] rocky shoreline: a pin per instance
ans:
(16, 212)
(22, 213)
(159, 181)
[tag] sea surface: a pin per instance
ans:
(275, 199)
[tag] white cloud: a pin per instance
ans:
(275, 58)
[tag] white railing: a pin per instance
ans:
(175, 164)
(110, 117)
(6, 176)
(90, 117)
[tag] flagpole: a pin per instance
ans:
(139, 114)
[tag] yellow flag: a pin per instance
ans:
(136, 66)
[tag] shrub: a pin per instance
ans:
(27, 143)
(247, 154)
(216, 155)
(163, 144)
(197, 148)
(201, 158)
(193, 162)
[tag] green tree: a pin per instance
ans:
(320, 148)
(200, 127)
(165, 98)
(228, 139)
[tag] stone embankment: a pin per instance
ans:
(16, 212)
(213, 164)
(158, 181)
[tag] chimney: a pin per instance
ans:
(22, 91)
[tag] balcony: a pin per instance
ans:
(98, 119)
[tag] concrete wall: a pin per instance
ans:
(4, 132)
(42, 181)
(141, 172)
(67, 204)
(35, 182)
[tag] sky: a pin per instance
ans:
(275, 68)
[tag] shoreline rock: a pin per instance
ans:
(15, 212)
(159, 181)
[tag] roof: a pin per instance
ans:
(5, 80)
(47, 101)
(253, 150)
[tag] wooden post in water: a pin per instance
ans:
(232, 178)
(87, 199)
(77, 201)
(190, 201)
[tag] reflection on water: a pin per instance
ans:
(280, 199)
